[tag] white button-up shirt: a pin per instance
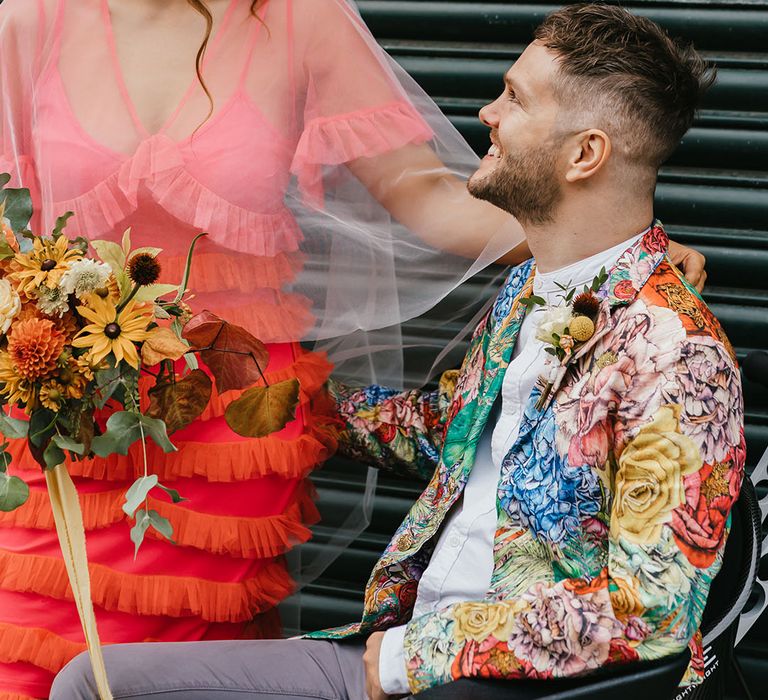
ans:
(462, 564)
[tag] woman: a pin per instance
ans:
(302, 152)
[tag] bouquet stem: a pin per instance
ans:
(71, 532)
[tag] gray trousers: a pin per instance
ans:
(284, 669)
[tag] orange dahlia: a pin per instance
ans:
(34, 346)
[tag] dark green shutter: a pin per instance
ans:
(713, 194)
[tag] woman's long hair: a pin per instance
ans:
(202, 8)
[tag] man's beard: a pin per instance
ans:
(522, 184)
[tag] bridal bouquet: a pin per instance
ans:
(80, 322)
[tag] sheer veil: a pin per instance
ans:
(310, 237)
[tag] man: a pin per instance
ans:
(585, 458)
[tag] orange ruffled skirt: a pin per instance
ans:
(248, 502)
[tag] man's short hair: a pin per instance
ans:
(626, 69)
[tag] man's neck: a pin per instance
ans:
(579, 232)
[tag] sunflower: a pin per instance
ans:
(111, 331)
(13, 385)
(48, 260)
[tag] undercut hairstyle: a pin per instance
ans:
(643, 86)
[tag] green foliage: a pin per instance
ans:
(126, 427)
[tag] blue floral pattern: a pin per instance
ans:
(539, 489)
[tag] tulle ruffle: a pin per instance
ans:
(171, 596)
(37, 646)
(346, 137)
(244, 537)
(216, 461)
(159, 166)
(217, 272)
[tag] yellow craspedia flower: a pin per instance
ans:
(113, 332)
(582, 328)
(43, 265)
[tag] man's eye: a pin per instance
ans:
(511, 95)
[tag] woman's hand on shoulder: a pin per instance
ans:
(691, 262)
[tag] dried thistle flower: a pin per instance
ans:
(144, 269)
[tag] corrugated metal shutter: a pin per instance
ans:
(713, 194)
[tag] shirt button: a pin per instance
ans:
(454, 541)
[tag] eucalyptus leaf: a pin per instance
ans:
(18, 207)
(161, 524)
(139, 530)
(53, 455)
(136, 495)
(14, 492)
(124, 428)
(5, 458)
(176, 497)
(41, 426)
(13, 428)
(5, 178)
(70, 444)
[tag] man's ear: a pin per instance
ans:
(587, 155)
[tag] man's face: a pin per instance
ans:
(520, 173)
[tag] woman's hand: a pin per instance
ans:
(691, 262)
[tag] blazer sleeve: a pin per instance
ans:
(399, 431)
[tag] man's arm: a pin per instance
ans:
(400, 431)
(672, 487)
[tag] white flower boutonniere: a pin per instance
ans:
(565, 327)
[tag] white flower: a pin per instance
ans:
(10, 305)
(52, 301)
(554, 320)
(83, 277)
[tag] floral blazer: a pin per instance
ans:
(613, 503)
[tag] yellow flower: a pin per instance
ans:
(478, 621)
(52, 395)
(113, 332)
(44, 264)
(72, 379)
(14, 386)
(582, 328)
(625, 600)
(649, 480)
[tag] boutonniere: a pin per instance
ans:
(564, 327)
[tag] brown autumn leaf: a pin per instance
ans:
(233, 355)
(263, 410)
(179, 403)
(162, 344)
(85, 432)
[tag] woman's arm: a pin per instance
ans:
(418, 190)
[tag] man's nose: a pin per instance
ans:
(489, 116)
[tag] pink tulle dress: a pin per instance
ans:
(296, 89)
